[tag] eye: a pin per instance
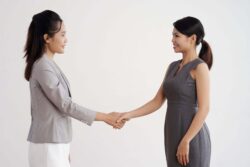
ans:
(175, 35)
(63, 33)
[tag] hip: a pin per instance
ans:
(49, 154)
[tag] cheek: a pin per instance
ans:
(183, 43)
(179, 42)
(59, 40)
(52, 45)
(58, 43)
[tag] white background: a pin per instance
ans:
(116, 58)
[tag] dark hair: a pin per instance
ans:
(46, 22)
(189, 26)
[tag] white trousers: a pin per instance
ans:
(49, 155)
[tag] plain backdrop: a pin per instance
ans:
(116, 57)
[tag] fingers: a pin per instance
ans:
(119, 125)
(179, 158)
(187, 159)
(120, 119)
(182, 157)
(184, 162)
(112, 120)
(117, 120)
(183, 153)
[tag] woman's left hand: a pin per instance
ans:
(183, 153)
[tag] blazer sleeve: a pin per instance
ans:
(55, 92)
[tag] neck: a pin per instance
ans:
(49, 54)
(189, 56)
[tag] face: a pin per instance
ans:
(56, 43)
(181, 42)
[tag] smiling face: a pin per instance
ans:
(57, 42)
(181, 42)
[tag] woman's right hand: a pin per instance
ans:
(126, 116)
(112, 118)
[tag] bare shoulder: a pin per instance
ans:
(201, 71)
(202, 67)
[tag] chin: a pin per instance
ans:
(176, 51)
(60, 52)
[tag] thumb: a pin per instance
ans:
(120, 119)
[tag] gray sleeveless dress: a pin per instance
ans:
(181, 95)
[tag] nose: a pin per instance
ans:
(172, 40)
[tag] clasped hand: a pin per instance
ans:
(117, 120)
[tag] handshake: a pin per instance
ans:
(114, 119)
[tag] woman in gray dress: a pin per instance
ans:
(186, 88)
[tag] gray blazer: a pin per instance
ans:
(51, 105)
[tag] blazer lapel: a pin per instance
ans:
(65, 80)
(60, 75)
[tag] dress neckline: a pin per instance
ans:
(177, 70)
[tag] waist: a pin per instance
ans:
(194, 105)
(50, 131)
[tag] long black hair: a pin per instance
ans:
(189, 26)
(46, 22)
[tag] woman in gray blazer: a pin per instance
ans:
(51, 104)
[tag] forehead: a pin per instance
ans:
(63, 28)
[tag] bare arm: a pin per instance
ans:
(147, 108)
(203, 89)
(202, 86)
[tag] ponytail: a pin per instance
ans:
(206, 53)
(191, 25)
(33, 49)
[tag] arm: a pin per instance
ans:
(147, 108)
(57, 95)
(150, 106)
(202, 86)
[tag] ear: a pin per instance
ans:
(46, 38)
(193, 38)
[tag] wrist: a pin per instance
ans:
(101, 116)
(129, 115)
(186, 140)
